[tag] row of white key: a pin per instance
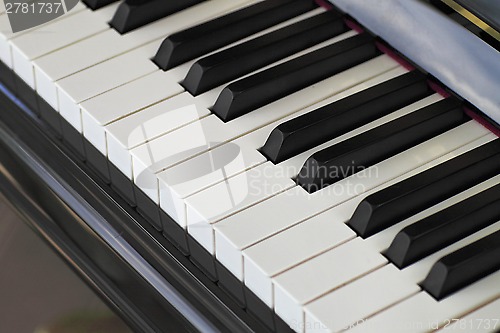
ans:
(151, 89)
(84, 85)
(109, 44)
(383, 302)
(6, 34)
(311, 280)
(194, 194)
(422, 313)
(68, 30)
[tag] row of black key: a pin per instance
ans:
(464, 267)
(369, 148)
(437, 231)
(250, 93)
(193, 42)
(319, 126)
(133, 14)
(244, 58)
(402, 200)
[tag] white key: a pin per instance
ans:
(422, 313)
(201, 172)
(177, 146)
(6, 33)
(148, 124)
(318, 276)
(231, 196)
(290, 248)
(115, 104)
(152, 122)
(110, 43)
(350, 305)
(98, 79)
(485, 319)
(49, 38)
(280, 212)
(2, 7)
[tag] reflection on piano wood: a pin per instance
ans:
(312, 173)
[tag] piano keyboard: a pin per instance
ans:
(310, 174)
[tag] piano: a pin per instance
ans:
(263, 165)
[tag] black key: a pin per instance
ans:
(232, 63)
(262, 88)
(326, 123)
(464, 267)
(344, 159)
(132, 14)
(410, 196)
(439, 230)
(96, 4)
(209, 36)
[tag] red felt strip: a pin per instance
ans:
(437, 88)
(325, 4)
(495, 130)
(354, 26)
(394, 56)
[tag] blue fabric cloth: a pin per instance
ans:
(454, 55)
